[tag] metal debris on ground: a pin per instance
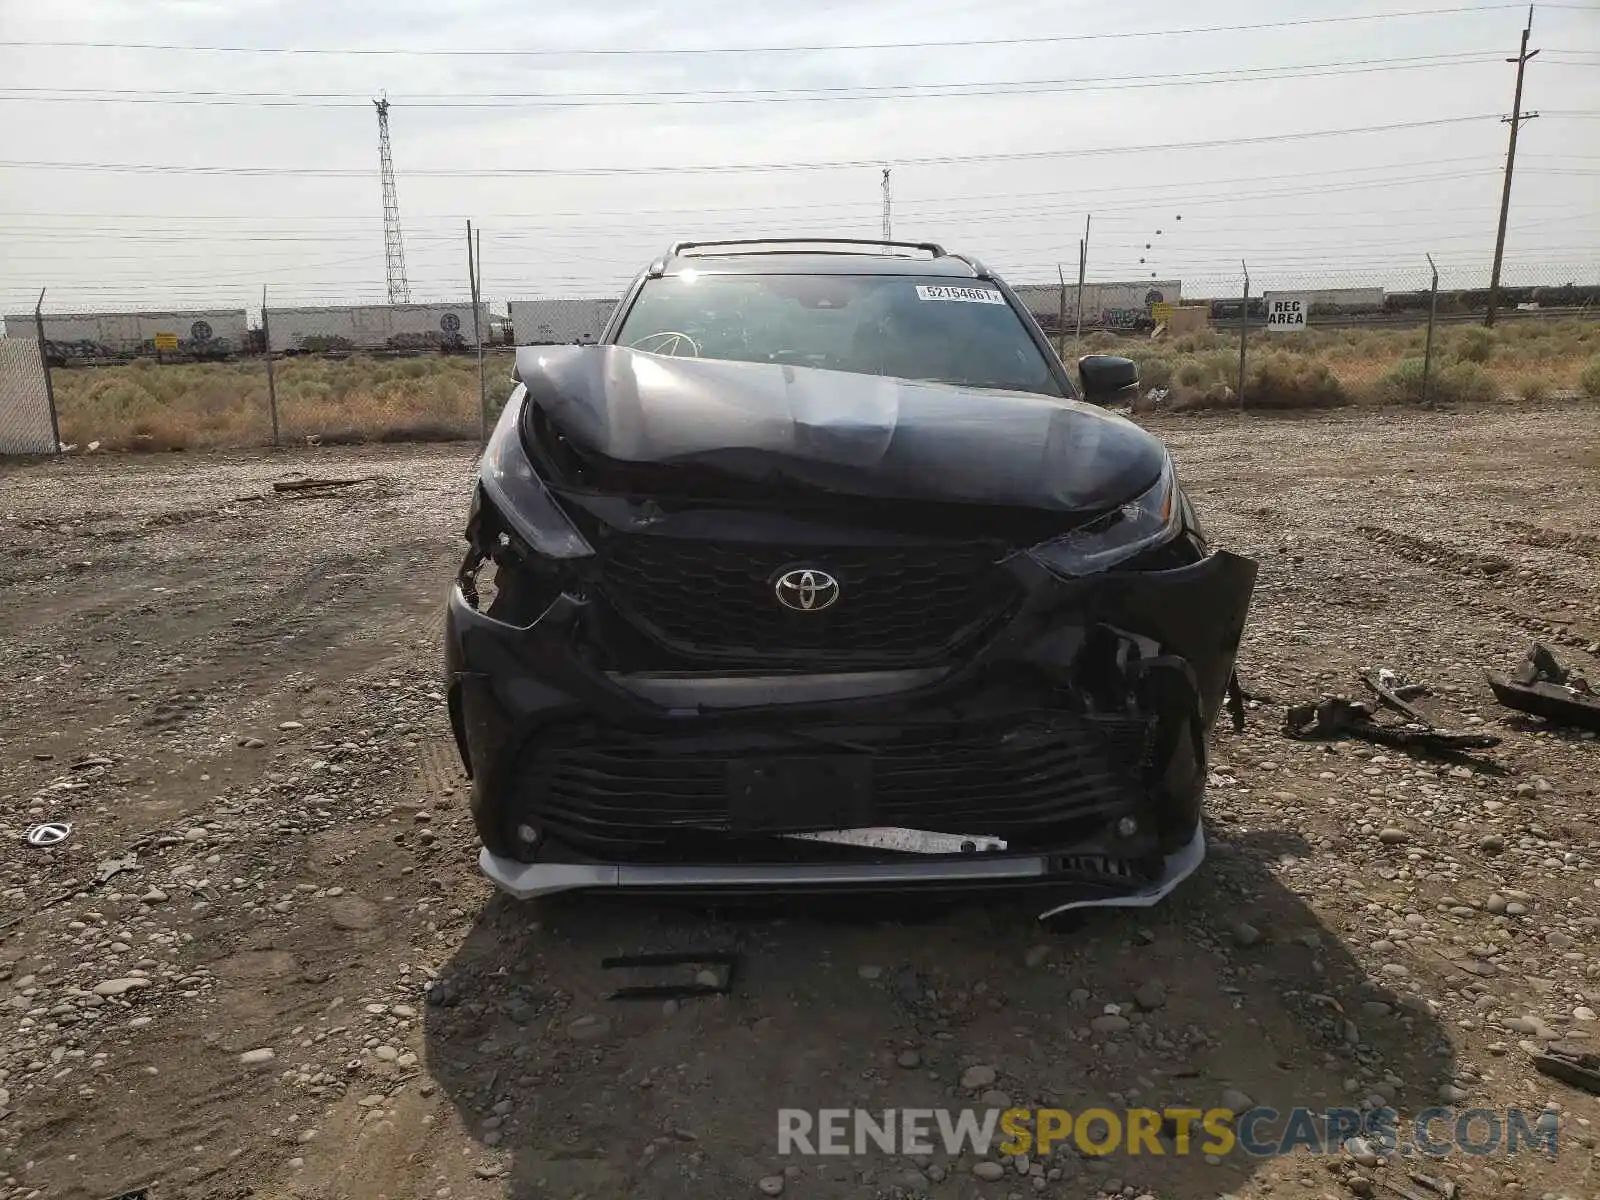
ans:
(707, 982)
(1580, 1068)
(1339, 716)
(48, 833)
(1543, 687)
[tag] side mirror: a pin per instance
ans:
(1108, 377)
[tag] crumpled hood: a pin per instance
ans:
(855, 434)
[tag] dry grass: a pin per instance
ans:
(1529, 360)
(145, 406)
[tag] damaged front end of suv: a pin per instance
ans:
(734, 626)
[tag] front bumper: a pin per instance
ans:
(1103, 687)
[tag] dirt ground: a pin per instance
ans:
(296, 984)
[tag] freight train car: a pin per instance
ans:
(101, 337)
(559, 322)
(1105, 305)
(395, 327)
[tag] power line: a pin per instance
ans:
(909, 91)
(734, 168)
(660, 51)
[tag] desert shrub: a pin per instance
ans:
(1535, 388)
(1455, 383)
(1154, 373)
(1198, 343)
(1476, 344)
(1590, 379)
(1203, 370)
(1285, 380)
(1100, 342)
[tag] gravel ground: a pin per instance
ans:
(263, 963)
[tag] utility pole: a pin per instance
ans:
(394, 250)
(1515, 120)
(888, 209)
(1083, 266)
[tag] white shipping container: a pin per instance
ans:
(1105, 305)
(83, 336)
(374, 327)
(559, 322)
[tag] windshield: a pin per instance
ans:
(895, 325)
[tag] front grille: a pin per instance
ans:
(897, 604)
(1029, 776)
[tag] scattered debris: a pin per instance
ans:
(110, 867)
(706, 982)
(306, 485)
(1339, 716)
(1447, 1188)
(1542, 686)
(1580, 1068)
(48, 833)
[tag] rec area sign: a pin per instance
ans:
(1285, 314)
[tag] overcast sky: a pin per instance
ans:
(1357, 208)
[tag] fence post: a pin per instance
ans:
(1433, 309)
(474, 278)
(272, 379)
(1083, 265)
(1244, 327)
(1061, 316)
(44, 362)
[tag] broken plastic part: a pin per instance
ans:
(519, 494)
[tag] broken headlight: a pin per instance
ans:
(520, 495)
(1147, 520)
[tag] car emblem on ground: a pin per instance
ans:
(806, 590)
(49, 833)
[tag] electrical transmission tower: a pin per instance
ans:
(394, 248)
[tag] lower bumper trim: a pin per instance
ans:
(524, 881)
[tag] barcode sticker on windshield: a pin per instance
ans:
(965, 295)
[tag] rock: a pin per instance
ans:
(253, 744)
(979, 1076)
(1451, 1094)
(1392, 836)
(1149, 996)
(1582, 1013)
(154, 896)
(198, 834)
(258, 1057)
(352, 912)
(771, 1185)
(1496, 904)
(1036, 955)
(589, 1029)
(909, 1059)
(988, 1171)
(116, 987)
(1358, 1149)
(290, 726)
(486, 1171)
(1110, 1023)
(870, 972)
(1236, 1101)
(1491, 843)
(1516, 908)
(1246, 934)
(707, 978)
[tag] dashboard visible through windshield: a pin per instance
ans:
(900, 326)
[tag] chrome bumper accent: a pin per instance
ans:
(527, 880)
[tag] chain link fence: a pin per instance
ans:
(1311, 340)
(248, 372)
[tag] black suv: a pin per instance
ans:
(816, 572)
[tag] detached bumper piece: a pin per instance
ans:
(1063, 753)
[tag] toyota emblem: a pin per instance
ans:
(806, 590)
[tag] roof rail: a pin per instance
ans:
(932, 248)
